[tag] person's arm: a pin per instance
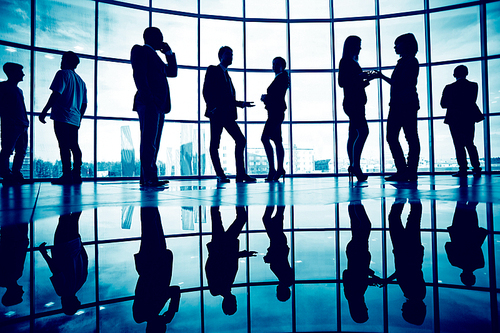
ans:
(82, 110)
(171, 65)
(445, 100)
(50, 103)
(45, 255)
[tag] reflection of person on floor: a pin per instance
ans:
(464, 249)
(277, 252)
(358, 275)
(69, 262)
(223, 254)
(13, 247)
(408, 258)
(154, 264)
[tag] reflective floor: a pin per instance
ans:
(307, 255)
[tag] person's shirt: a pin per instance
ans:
(275, 98)
(73, 91)
(459, 98)
(354, 86)
(219, 94)
(12, 107)
(404, 85)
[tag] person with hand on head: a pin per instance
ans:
(68, 102)
(220, 97)
(14, 127)
(152, 100)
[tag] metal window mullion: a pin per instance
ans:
(430, 113)
(485, 90)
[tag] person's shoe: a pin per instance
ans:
(270, 176)
(223, 179)
(397, 177)
(476, 172)
(18, 177)
(63, 180)
(279, 174)
(153, 183)
(164, 181)
(76, 177)
(245, 179)
(356, 171)
(459, 174)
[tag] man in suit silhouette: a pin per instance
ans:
(459, 98)
(220, 97)
(152, 100)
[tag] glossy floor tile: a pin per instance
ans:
(307, 255)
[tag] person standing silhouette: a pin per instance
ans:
(354, 81)
(275, 104)
(152, 100)
(15, 123)
(404, 105)
(220, 97)
(68, 102)
(459, 98)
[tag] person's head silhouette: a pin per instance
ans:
(69, 60)
(468, 278)
(279, 65)
(460, 72)
(13, 71)
(229, 305)
(358, 309)
(70, 304)
(414, 311)
(283, 292)
(406, 45)
(153, 37)
(352, 46)
(225, 56)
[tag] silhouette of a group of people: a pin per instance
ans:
(68, 103)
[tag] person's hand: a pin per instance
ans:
(249, 253)
(41, 117)
(263, 97)
(248, 104)
(166, 48)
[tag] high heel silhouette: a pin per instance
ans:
(270, 176)
(356, 171)
(279, 174)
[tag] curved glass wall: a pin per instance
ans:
(309, 35)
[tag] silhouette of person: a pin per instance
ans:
(152, 100)
(404, 105)
(13, 247)
(354, 81)
(459, 98)
(220, 97)
(154, 264)
(408, 258)
(68, 102)
(277, 252)
(464, 249)
(14, 128)
(69, 262)
(358, 275)
(275, 104)
(223, 254)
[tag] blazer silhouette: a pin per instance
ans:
(459, 98)
(275, 98)
(219, 94)
(354, 85)
(150, 76)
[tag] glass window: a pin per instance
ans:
(446, 26)
(15, 21)
(309, 9)
(311, 96)
(391, 28)
(314, 252)
(115, 90)
(310, 45)
(181, 33)
(312, 143)
(364, 30)
(218, 33)
(184, 95)
(256, 153)
(494, 85)
(66, 25)
(493, 27)
(257, 84)
(22, 57)
(119, 29)
(399, 6)
(353, 8)
(181, 5)
(264, 42)
(322, 316)
(178, 154)
(442, 3)
(495, 142)
(266, 9)
(222, 7)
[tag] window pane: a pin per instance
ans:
(447, 25)
(494, 85)
(364, 30)
(184, 96)
(443, 75)
(495, 142)
(309, 9)
(218, 33)
(66, 25)
(310, 45)
(15, 18)
(370, 157)
(115, 90)
(391, 28)
(442, 3)
(181, 33)
(178, 155)
(222, 7)
(257, 84)
(266, 9)
(398, 6)
(265, 41)
(312, 146)
(353, 8)
(493, 27)
(181, 5)
(119, 29)
(311, 96)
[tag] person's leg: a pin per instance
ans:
(268, 148)
(394, 126)
(359, 143)
(149, 127)
(410, 129)
(9, 137)
(61, 132)
(74, 147)
(216, 128)
(159, 130)
(471, 148)
(458, 142)
(20, 148)
(235, 132)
